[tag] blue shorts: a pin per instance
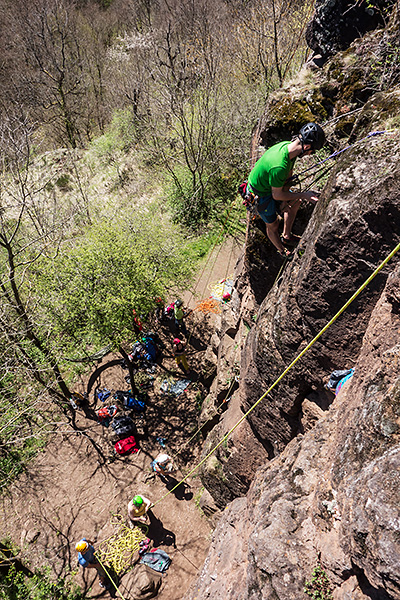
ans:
(267, 207)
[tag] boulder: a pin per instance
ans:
(141, 583)
(337, 23)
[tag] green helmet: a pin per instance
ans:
(137, 500)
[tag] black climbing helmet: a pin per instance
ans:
(312, 134)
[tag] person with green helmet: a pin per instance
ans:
(268, 182)
(137, 509)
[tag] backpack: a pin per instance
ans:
(107, 411)
(123, 425)
(157, 559)
(102, 395)
(126, 446)
(130, 401)
(150, 351)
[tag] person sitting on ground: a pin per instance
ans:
(179, 352)
(163, 465)
(137, 509)
(268, 181)
(179, 314)
(88, 560)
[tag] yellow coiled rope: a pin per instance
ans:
(117, 551)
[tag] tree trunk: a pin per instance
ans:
(130, 368)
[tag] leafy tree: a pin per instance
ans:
(31, 224)
(19, 584)
(90, 290)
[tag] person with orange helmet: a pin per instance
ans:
(87, 559)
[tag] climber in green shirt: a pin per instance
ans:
(269, 182)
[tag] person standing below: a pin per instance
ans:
(179, 314)
(268, 181)
(179, 351)
(138, 508)
(163, 465)
(88, 560)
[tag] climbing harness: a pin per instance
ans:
(282, 375)
(250, 200)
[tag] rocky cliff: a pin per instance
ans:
(331, 497)
(320, 474)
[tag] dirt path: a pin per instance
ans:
(77, 483)
(219, 264)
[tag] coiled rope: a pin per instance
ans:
(117, 551)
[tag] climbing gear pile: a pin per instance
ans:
(209, 305)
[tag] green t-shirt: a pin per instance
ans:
(272, 169)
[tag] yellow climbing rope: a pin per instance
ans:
(218, 289)
(298, 357)
(118, 550)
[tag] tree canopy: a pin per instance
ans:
(89, 291)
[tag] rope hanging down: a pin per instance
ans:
(282, 375)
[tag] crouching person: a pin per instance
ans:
(137, 510)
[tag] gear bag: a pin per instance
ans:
(123, 425)
(249, 199)
(126, 446)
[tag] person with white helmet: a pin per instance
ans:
(163, 465)
(87, 559)
(179, 314)
(268, 182)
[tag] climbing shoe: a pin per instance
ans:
(286, 253)
(290, 242)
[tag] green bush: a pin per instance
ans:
(17, 586)
(319, 587)
(119, 137)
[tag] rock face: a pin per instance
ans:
(353, 227)
(337, 23)
(321, 477)
(330, 498)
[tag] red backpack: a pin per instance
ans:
(126, 446)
